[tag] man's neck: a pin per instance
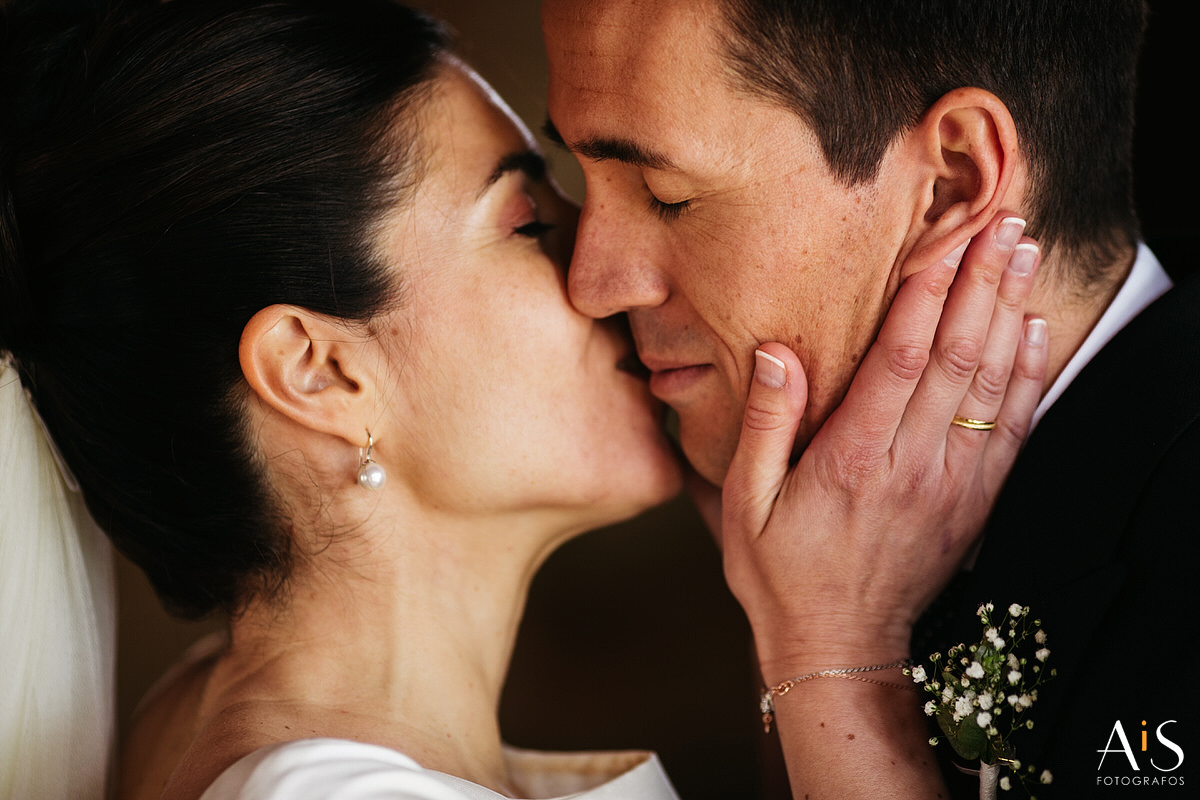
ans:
(1072, 311)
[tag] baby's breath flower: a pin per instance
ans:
(933, 741)
(1046, 777)
(962, 707)
(969, 689)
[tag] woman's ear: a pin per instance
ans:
(306, 367)
(964, 153)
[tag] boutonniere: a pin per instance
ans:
(983, 694)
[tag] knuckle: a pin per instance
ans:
(914, 480)
(1011, 304)
(959, 356)
(1031, 371)
(907, 362)
(991, 382)
(937, 285)
(759, 417)
(1012, 431)
(855, 470)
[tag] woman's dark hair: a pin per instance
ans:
(166, 171)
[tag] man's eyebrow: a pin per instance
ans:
(527, 161)
(608, 149)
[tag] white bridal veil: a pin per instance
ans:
(57, 620)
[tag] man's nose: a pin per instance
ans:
(616, 266)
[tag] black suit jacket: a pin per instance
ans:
(1098, 531)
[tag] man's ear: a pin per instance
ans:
(965, 152)
(306, 367)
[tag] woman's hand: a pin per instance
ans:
(834, 558)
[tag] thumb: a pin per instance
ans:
(778, 394)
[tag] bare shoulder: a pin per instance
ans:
(166, 722)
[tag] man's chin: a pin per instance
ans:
(708, 451)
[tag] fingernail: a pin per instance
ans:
(1023, 259)
(1009, 232)
(956, 255)
(1035, 332)
(769, 370)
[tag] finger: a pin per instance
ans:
(961, 335)
(890, 371)
(760, 464)
(990, 382)
(1020, 401)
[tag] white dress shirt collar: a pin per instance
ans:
(1147, 282)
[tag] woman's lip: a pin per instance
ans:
(674, 381)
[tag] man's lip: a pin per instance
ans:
(657, 365)
(672, 382)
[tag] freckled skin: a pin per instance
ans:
(771, 247)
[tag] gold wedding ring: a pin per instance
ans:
(973, 424)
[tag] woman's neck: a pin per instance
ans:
(396, 638)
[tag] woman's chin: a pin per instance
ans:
(653, 487)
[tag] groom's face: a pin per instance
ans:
(711, 217)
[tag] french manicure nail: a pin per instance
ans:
(1008, 233)
(1023, 259)
(769, 370)
(956, 255)
(1035, 332)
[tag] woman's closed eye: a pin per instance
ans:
(534, 229)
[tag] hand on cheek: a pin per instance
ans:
(834, 558)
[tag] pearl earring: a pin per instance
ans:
(370, 475)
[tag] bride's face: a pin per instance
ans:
(505, 397)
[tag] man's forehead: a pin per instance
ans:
(624, 36)
(621, 62)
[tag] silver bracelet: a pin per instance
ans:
(767, 704)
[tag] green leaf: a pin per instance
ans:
(967, 738)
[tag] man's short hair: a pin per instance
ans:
(860, 74)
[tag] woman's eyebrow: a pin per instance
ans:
(529, 162)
